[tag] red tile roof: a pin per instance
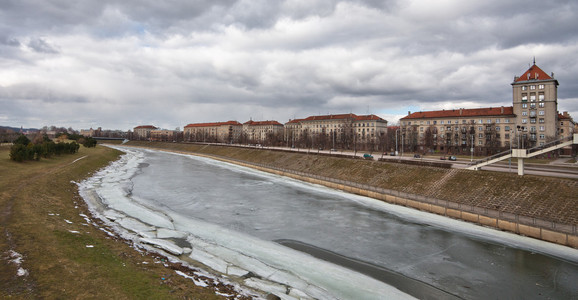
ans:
(463, 112)
(145, 126)
(329, 117)
(262, 123)
(213, 124)
(337, 117)
(533, 73)
(368, 117)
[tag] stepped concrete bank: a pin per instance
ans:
(501, 218)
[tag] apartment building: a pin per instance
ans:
(218, 132)
(345, 130)
(164, 135)
(143, 132)
(261, 131)
(531, 120)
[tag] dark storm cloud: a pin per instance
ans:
(234, 59)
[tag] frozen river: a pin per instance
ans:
(238, 220)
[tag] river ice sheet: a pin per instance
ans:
(239, 213)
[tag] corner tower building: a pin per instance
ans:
(535, 104)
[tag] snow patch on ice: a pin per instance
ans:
(163, 244)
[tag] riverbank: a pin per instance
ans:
(50, 248)
(540, 207)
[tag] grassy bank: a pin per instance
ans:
(546, 198)
(64, 257)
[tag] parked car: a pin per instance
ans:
(453, 158)
(443, 158)
(392, 154)
(416, 156)
(367, 156)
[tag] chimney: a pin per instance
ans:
(502, 110)
(566, 114)
(461, 110)
(408, 112)
(552, 74)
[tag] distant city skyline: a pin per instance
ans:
(119, 64)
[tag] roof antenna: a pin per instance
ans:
(534, 60)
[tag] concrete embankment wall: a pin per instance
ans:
(562, 234)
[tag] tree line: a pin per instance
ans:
(23, 149)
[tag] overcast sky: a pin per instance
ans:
(117, 64)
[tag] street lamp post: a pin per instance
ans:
(396, 131)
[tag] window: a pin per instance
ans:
(497, 128)
(524, 98)
(541, 104)
(524, 88)
(408, 123)
(480, 135)
(480, 128)
(541, 97)
(524, 121)
(480, 143)
(507, 120)
(541, 128)
(497, 121)
(427, 122)
(524, 113)
(532, 98)
(463, 121)
(541, 113)
(533, 105)
(533, 113)
(507, 136)
(541, 120)
(421, 129)
(449, 128)
(507, 128)
(489, 121)
(481, 121)
(541, 86)
(442, 122)
(533, 121)
(532, 87)
(542, 136)
(524, 105)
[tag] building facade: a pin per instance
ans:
(345, 131)
(262, 132)
(535, 99)
(164, 135)
(143, 132)
(532, 120)
(218, 132)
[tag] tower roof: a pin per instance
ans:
(534, 73)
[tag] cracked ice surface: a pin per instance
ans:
(108, 193)
(230, 217)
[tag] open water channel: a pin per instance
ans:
(349, 242)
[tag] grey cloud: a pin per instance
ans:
(39, 93)
(42, 46)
